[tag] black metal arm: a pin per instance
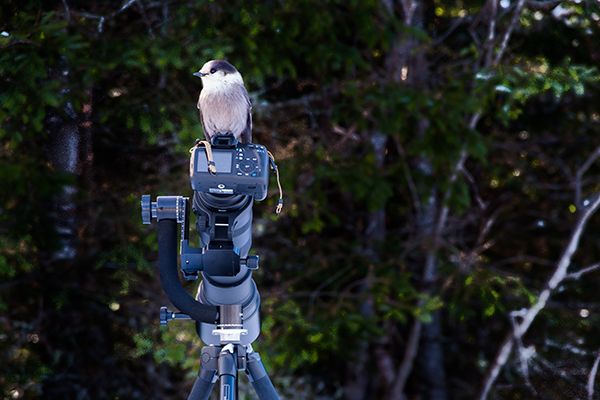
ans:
(167, 264)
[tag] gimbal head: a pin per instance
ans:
(225, 230)
(226, 177)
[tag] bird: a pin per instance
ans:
(224, 105)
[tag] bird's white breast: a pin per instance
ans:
(224, 107)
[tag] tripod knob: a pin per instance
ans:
(168, 315)
(164, 316)
(252, 262)
(146, 204)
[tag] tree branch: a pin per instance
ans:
(578, 274)
(67, 11)
(566, 347)
(101, 18)
(142, 10)
(489, 43)
(528, 315)
(408, 8)
(408, 176)
(408, 359)
(509, 30)
(592, 378)
(455, 24)
(581, 171)
(525, 354)
(469, 177)
(546, 5)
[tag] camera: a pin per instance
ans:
(241, 168)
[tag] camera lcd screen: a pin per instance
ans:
(222, 161)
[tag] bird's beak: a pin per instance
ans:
(199, 74)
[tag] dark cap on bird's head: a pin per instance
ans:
(215, 66)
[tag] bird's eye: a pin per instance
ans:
(213, 70)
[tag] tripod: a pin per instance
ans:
(222, 362)
(226, 308)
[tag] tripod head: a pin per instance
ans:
(222, 202)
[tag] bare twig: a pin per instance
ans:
(408, 8)
(466, 260)
(578, 274)
(554, 370)
(592, 378)
(566, 347)
(165, 13)
(581, 171)
(408, 176)
(124, 7)
(67, 11)
(546, 5)
(525, 354)
(101, 18)
(408, 359)
(511, 26)
(469, 177)
(489, 43)
(142, 9)
(474, 35)
(455, 24)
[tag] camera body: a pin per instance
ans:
(242, 168)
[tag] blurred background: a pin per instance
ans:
(439, 165)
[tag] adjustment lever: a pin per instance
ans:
(168, 315)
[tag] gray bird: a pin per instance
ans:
(224, 103)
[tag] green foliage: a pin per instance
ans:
(536, 77)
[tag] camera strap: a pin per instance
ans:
(212, 167)
(274, 166)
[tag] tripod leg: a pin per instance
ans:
(208, 374)
(258, 377)
(228, 373)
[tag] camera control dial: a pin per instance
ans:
(246, 162)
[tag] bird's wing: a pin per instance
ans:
(247, 132)
(204, 127)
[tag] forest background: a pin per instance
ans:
(440, 167)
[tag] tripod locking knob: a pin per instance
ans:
(147, 206)
(164, 319)
(252, 262)
(167, 315)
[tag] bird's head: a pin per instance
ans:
(218, 73)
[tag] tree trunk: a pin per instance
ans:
(432, 360)
(64, 147)
(406, 63)
(359, 381)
